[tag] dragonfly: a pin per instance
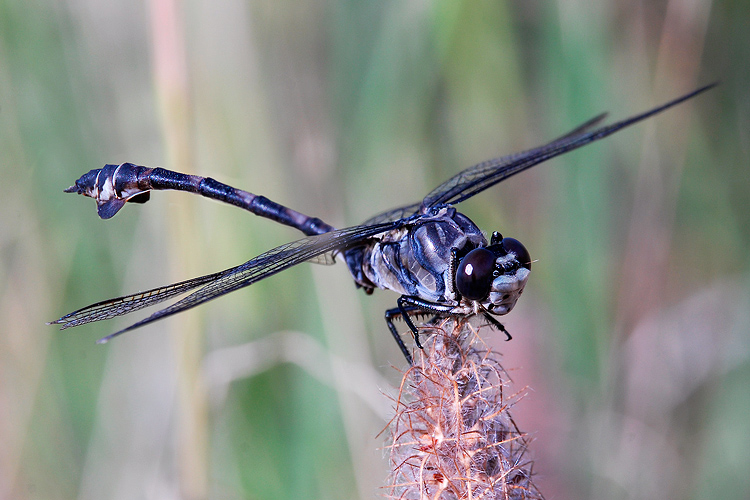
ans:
(438, 261)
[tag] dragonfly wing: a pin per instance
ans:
(217, 284)
(583, 127)
(475, 179)
(324, 259)
(409, 210)
(393, 214)
(112, 308)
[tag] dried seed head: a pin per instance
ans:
(452, 435)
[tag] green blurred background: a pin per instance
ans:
(633, 336)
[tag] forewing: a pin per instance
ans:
(215, 285)
(409, 210)
(486, 174)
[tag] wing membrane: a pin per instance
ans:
(394, 214)
(112, 308)
(215, 285)
(475, 179)
(409, 210)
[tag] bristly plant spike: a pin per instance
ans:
(453, 436)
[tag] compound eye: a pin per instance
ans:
(512, 245)
(474, 274)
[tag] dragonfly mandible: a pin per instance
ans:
(433, 256)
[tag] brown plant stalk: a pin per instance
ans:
(453, 436)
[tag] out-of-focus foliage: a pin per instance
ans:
(633, 332)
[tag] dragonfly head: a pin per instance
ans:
(494, 275)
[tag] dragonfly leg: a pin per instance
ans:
(390, 315)
(408, 306)
(497, 325)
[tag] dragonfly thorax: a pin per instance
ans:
(415, 259)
